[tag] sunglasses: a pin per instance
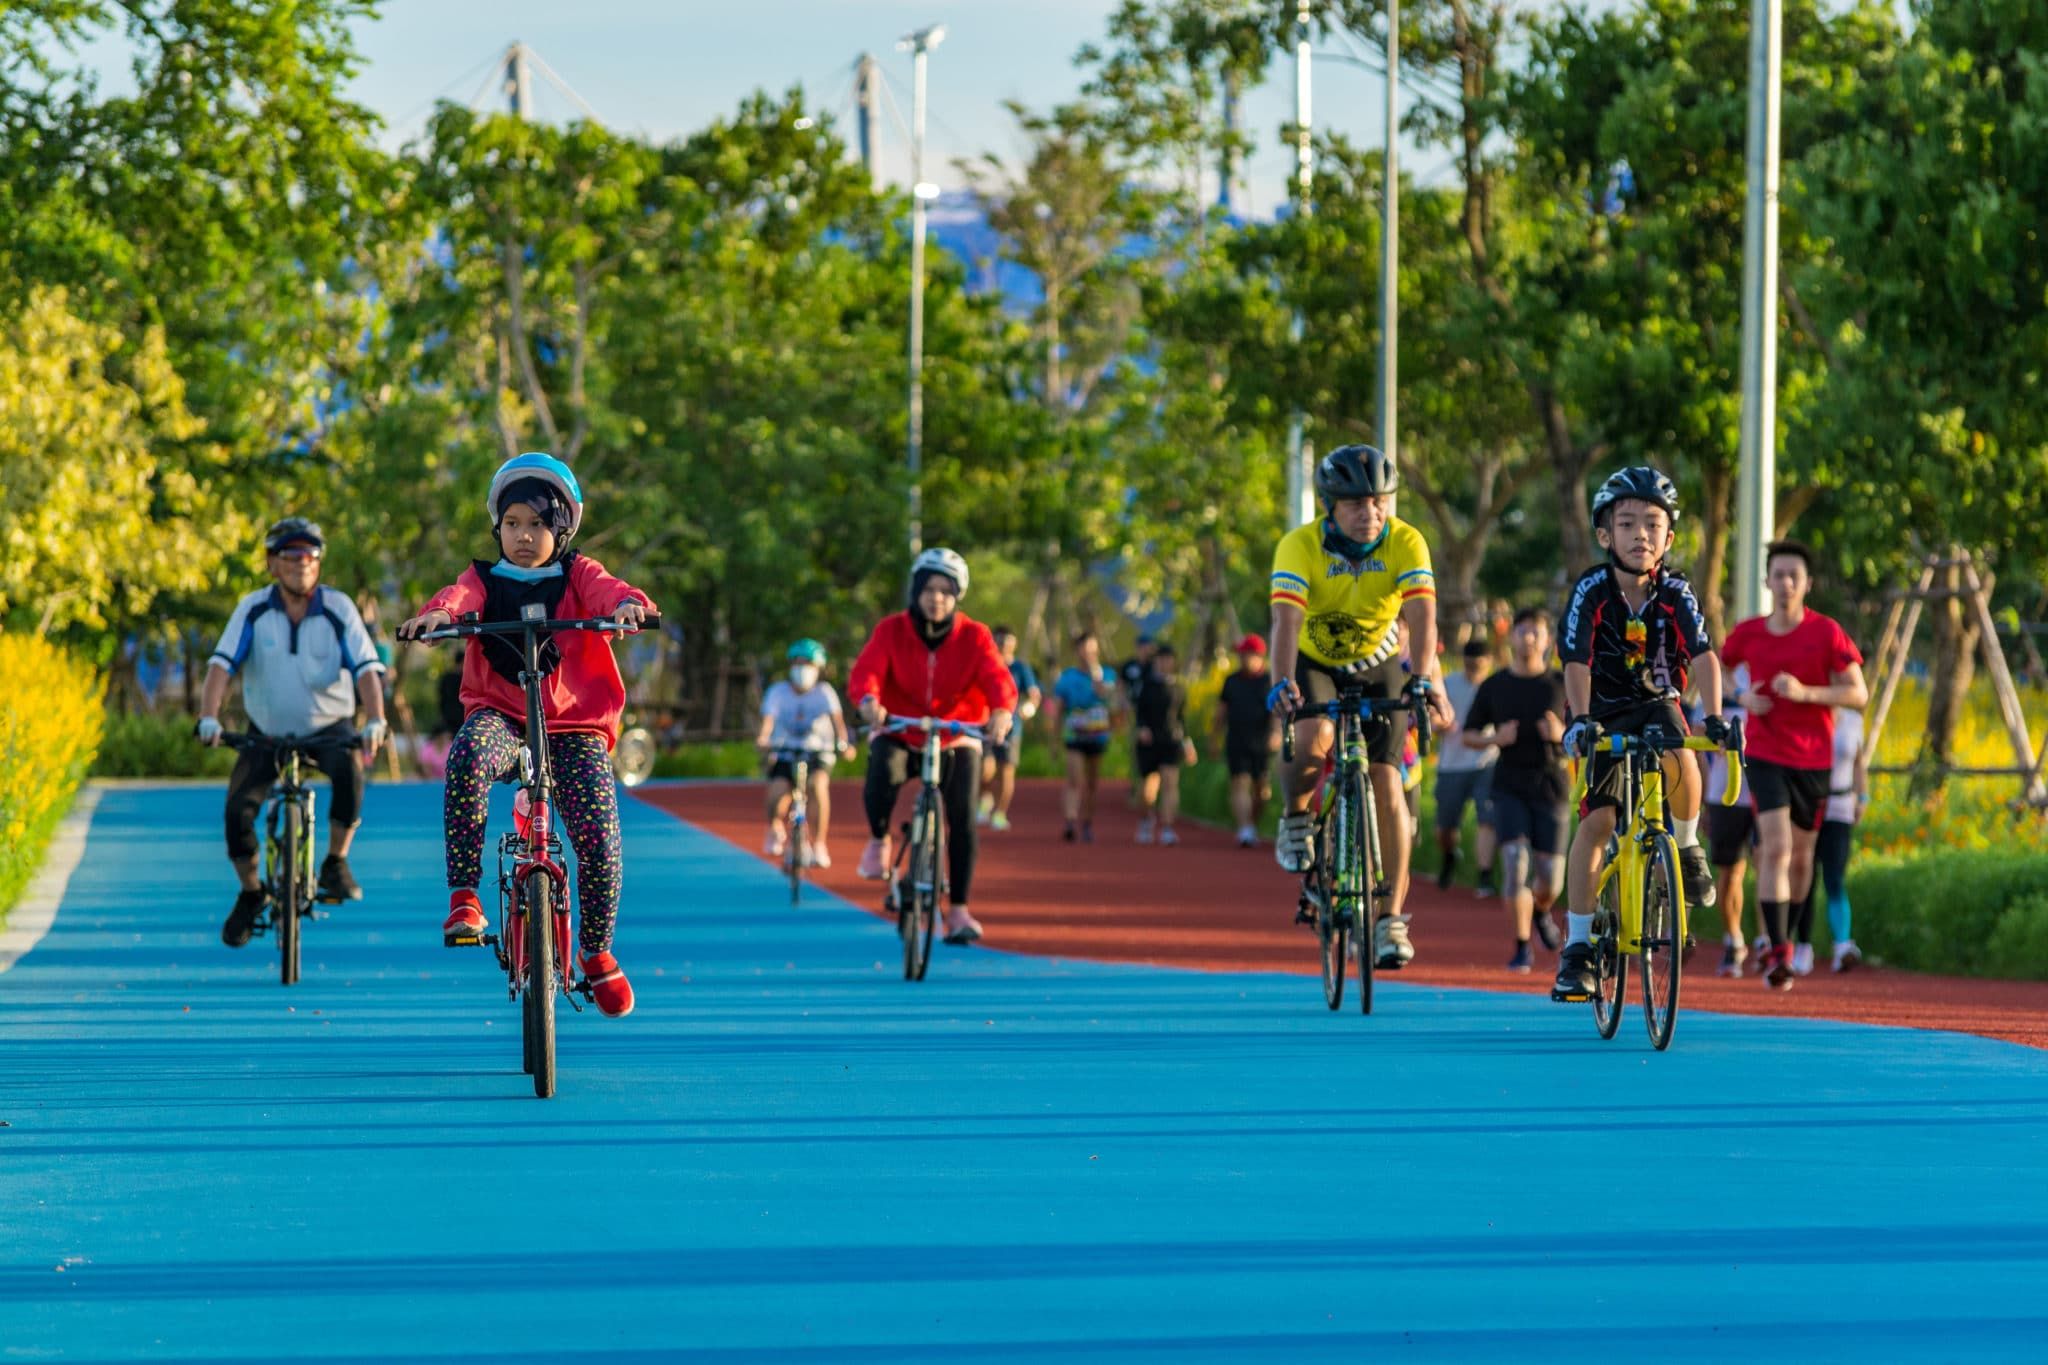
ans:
(298, 552)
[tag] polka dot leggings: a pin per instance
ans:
(587, 803)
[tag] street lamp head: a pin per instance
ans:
(923, 40)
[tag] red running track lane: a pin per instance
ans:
(1208, 905)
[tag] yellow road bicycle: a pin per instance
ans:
(1639, 908)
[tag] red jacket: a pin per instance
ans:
(584, 694)
(963, 679)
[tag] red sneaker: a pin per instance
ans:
(465, 915)
(608, 984)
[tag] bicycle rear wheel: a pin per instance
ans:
(1333, 928)
(540, 981)
(290, 891)
(1610, 964)
(1663, 951)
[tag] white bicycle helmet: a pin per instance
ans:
(938, 559)
(549, 470)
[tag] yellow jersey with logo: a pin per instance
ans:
(1352, 607)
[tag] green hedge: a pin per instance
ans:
(1973, 914)
(157, 745)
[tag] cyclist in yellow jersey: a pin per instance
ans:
(1341, 587)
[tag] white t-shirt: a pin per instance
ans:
(802, 719)
(297, 677)
(1453, 756)
(1842, 777)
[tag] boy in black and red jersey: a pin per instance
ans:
(1632, 638)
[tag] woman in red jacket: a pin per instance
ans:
(536, 508)
(931, 660)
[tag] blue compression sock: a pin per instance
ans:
(1838, 917)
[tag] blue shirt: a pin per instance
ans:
(1026, 680)
(1084, 714)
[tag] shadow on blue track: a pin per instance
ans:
(788, 1153)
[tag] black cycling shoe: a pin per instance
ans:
(241, 921)
(1547, 931)
(337, 884)
(1698, 876)
(1576, 979)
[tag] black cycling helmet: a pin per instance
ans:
(293, 531)
(1355, 472)
(1638, 483)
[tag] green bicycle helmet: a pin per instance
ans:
(807, 651)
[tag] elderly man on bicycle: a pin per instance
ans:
(1342, 586)
(306, 662)
(932, 660)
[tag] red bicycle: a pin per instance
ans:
(533, 881)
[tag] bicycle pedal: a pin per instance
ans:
(468, 940)
(1570, 997)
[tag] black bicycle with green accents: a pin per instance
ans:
(1345, 887)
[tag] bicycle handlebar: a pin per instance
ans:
(929, 725)
(1365, 708)
(242, 739)
(457, 630)
(1617, 745)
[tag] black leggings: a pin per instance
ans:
(891, 763)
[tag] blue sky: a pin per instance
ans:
(663, 68)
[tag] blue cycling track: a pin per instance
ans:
(789, 1153)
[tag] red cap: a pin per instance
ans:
(1252, 644)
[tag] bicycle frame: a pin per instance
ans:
(1643, 798)
(289, 788)
(915, 915)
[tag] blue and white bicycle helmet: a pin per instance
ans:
(549, 470)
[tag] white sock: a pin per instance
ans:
(1688, 831)
(1578, 928)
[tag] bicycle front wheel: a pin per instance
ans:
(1663, 950)
(926, 885)
(540, 981)
(792, 857)
(1356, 876)
(1610, 964)
(291, 890)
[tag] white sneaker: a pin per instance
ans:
(1294, 850)
(819, 857)
(1168, 838)
(1145, 831)
(1390, 942)
(999, 822)
(775, 842)
(874, 859)
(1802, 959)
(1247, 837)
(987, 807)
(1848, 957)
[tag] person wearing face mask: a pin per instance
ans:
(932, 659)
(801, 712)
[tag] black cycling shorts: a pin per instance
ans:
(1731, 833)
(1605, 778)
(1773, 786)
(1384, 736)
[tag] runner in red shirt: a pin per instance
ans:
(1802, 664)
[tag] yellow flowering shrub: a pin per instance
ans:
(50, 719)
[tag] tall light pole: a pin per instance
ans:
(1390, 233)
(1756, 486)
(1300, 488)
(919, 45)
(518, 81)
